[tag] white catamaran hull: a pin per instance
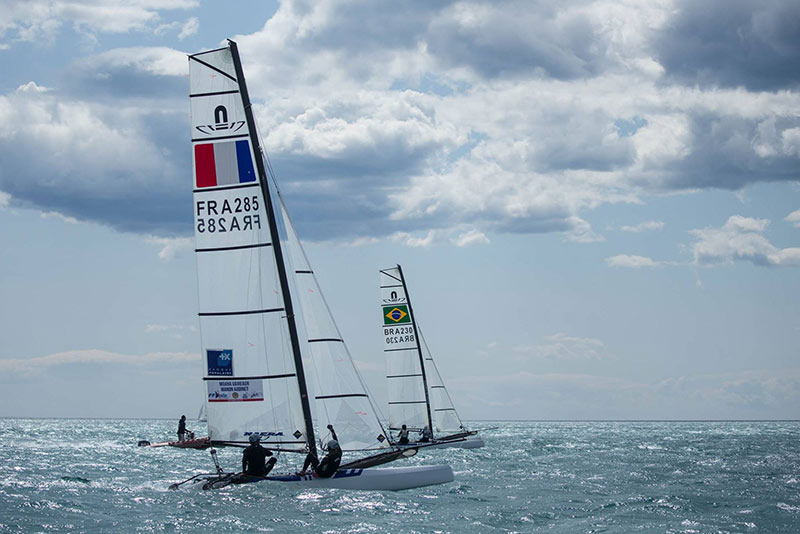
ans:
(388, 478)
(473, 442)
(372, 479)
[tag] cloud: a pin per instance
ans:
(471, 237)
(732, 43)
(563, 347)
(794, 218)
(189, 28)
(445, 117)
(42, 20)
(117, 162)
(740, 238)
(173, 247)
(634, 262)
(643, 227)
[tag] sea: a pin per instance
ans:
(88, 475)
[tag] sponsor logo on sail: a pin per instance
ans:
(396, 314)
(220, 362)
(221, 123)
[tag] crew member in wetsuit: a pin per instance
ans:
(328, 466)
(403, 436)
(182, 428)
(426, 435)
(254, 456)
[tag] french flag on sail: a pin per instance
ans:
(227, 163)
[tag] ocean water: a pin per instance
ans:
(570, 477)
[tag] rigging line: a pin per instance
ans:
(212, 67)
(391, 276)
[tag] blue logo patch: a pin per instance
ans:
(220, 362)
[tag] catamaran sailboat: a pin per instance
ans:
(418, 398)
(255, 349)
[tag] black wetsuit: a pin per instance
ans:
(327, 467)
(181, 428)
(253, 458)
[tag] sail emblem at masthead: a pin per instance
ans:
(221, 122)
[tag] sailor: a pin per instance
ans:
(254, 456)
(403, 436)
(426, 435)
(328, 466)
(182, 428)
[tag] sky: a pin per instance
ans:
(596, 204)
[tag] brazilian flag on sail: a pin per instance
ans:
(396, 314)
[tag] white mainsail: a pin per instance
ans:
(248, 344)
(341, 396)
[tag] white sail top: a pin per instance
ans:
(249, 369)
(405, 375)
(341, 397)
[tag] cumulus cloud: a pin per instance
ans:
(632, 261)
(472, 237)
(189, 28)
(732, 43)
(643, 227)
(492, 116)
(113, 162)
(173, 247)
(560, 346)
(794, 218)
(41, 20)
(741, 238)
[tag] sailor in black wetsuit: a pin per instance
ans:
(182, 428)
(328, 466)
(253, 459)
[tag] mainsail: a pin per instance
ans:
(417, 394)
(250, 348)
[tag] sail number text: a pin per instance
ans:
(398, 334)
(227, 215)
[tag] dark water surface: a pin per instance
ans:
(562, 477)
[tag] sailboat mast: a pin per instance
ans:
(276, 246)
(419, 350)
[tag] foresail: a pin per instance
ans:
(249, 370)
(341, 396)
(405, 376)
(443, 412)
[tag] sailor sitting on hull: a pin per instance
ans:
(253, 461)
(328, 466)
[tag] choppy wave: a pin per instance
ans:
(564, 477)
